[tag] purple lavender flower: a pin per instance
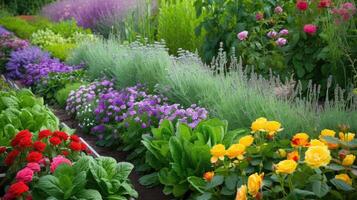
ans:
(20, 59)
(3, 31)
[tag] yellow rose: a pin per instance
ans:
(208, 176)
(286, 167)
(346, 137)
(330, 133)
(235, 151)
(258, 124)
(246, 140)
(348, 160)
(282, 153)
(345, 178)
(294, 155)
(218, 151)
(241, 193)
(316, 142)
(255, 182)
(317, 156)
(300, 140)
(272, 127)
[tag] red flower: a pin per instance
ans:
(39, 146)
(44, 134)
(74, 138)
(324, 3)
(11, 157)
(61, 135)
(34, 156)
(20, 135)
(75, 146)
(17, 189)
(302, 5)
(2, 150)
(310, 29)
(25, 142)
(55, 140)
(84, 146)
(65, 153)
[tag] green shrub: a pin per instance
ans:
(62, 94)
(68, 28)
(21, 7)
(60, 50)
(46, 37)
(19, 26)
(176, 25)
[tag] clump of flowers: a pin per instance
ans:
(345, 12)
(47, 37)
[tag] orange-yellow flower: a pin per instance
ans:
(294, 155)
(255, 183)
(208, 176)
(285, 167)
(300, 140)
(316, 142)
(345, 178)
(317, 156)
(259, 124)
(241, 193)
(348, 137)
(235, 151)
(272, 127)
(330, 133)
(217, 151)
(349, 160)
(246, 140)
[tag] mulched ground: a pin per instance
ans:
(144, 193)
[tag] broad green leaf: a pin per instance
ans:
(109, 165)
(320, 188)
(197, 182)
(51, 186)
(216, 181)
(340, 184)
(149, 180)
(180, 189)
(89, 194)
(123, 170)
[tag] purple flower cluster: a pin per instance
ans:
(19, 60)
(3, 31)
(37, 71)
(87, 13)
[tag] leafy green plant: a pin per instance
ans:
(176, 25)
(19, 26)
(21, 7)
(181, 153)
(21, 110)
(60, 50)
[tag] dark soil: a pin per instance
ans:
(144, 193)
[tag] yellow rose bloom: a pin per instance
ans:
(255, 182)
(345, 178)
(300, 140)
(316, 142)
(235, 151)
(246, 140)
(286, 167)
(242, 193)
(218, 151)
(208, 176)
(294, 155)
(272, 127)
(317, 156)
(346, 137)
(330, 133)
(258, 124)
(282, 153)
(349, 160)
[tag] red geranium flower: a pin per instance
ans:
(17, 189)
(61, 135)
(2, 150)
(302, 5)
(324, 3)
(75, 146)
(34, 156)
(55, 140)
(74, 138)
(25, 142)
(20, 135)
(65, 153)
(44, 134)
(11, 157)
(84, 146)
(39, 146)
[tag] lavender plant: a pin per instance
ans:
(20, 59)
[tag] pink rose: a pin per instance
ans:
(243, 35)
(58, 160)
(35, 167)
(278, 10)
(284, 32)
(281, 41)
(310, 29)
(272, 34)
(24, 175)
